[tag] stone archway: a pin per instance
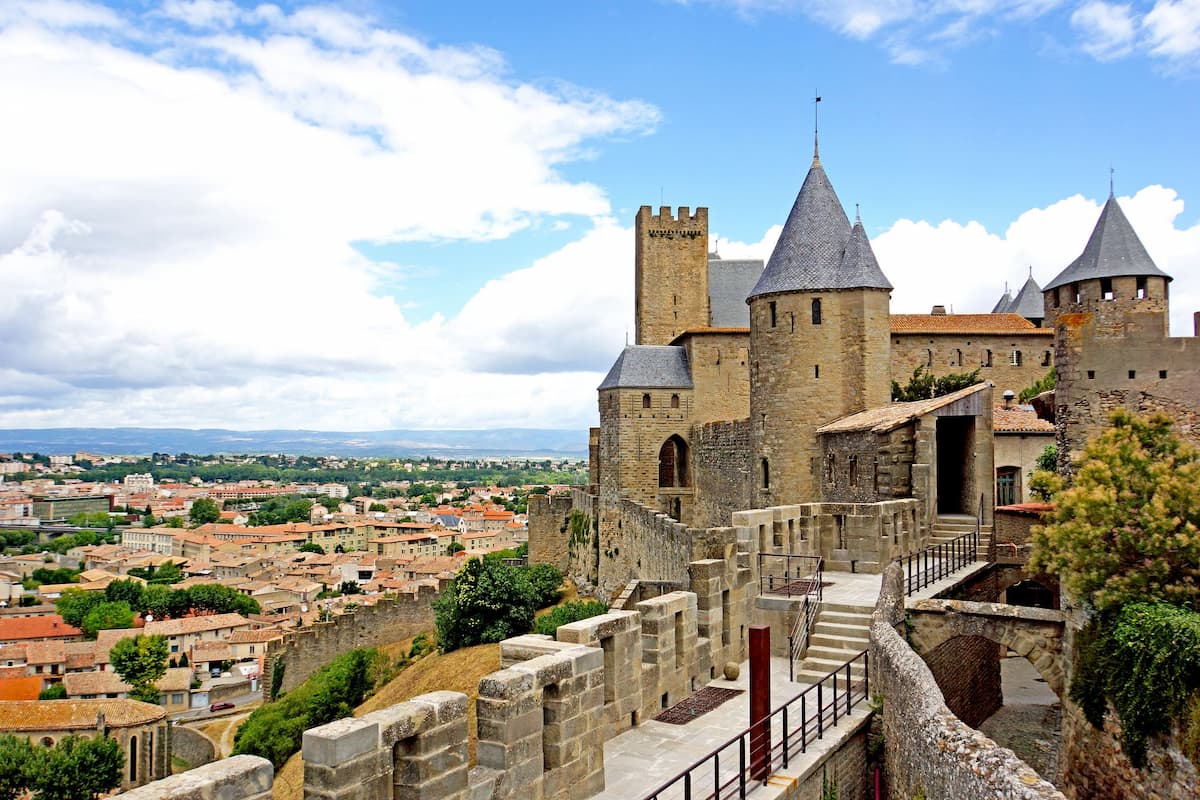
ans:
(1034, 633)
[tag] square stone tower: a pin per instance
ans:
(671, 266)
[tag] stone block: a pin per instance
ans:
(400, 721)
(242, 777)
(340, 741)
(506, 684)
(548, 670)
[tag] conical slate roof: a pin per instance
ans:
(1028, 302)
(1113, 250)
(817, 248)
(1003, 304)
(649, 366)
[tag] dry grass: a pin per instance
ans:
(459, 671)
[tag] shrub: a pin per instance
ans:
(486, 602)
(568, 612)
(546, 581)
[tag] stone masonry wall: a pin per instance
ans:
(241, 777)
(926, 748)
(723, 471)
(305, 651)
(548, 534)
(967, 670)
(964, 353)
(192, 746)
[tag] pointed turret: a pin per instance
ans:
(1028, 302)
(1114, 250)
(1004, 303)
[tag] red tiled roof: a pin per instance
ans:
(47, 715)
(20, 688)
(1018, 419)
(966, 323)
(47, 627)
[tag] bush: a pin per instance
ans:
(486, 602)
(568, 612)
(546, 581)
(55, 691)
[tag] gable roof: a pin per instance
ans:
(965, 323)
(817, 248)
(650, 366)
(48, 715)
(730, 282)
(1113, 250)
(892, 416)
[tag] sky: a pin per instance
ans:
(369, 215)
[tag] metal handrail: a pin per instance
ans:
(818, 707)
(796, 568)
(802, 629)
(937, 561)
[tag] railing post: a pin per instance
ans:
(820, 709)
(835, 699)
(687, 786)
(717, 774)
(785, 738)
(866, 675)
(849, 687)
(803, 723)
(742, 766)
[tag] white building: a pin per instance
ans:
(139, 482)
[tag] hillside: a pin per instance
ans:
(459, 671)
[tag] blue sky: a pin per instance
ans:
(375, 214)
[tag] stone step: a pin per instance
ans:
(833, 655)
(846, 608)
(844, 618)
(835, 630)
(852, 644)
(812, 676)
(821, 667)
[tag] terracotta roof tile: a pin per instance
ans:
(966, 323)
(23, 688)
(1019, 419)
(47, 715)
(29, 628)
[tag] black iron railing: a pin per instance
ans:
(789, 575)
(802, 629)
(938, 561)
(751, 757)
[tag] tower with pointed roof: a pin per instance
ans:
(819, 340)
(1109, 310)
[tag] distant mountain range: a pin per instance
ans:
(503, 442)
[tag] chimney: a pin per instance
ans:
(1009, 398)
(938, 311)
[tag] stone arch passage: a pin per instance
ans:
(1034, 633)
(673, 463)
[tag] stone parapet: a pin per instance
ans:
(241, 777)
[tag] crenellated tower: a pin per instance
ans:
(671, 273)
(819, 340)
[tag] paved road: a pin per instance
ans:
(203, 714)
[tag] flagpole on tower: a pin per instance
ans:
(816, 126)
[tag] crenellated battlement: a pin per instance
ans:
(684, 221)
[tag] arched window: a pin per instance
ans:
(674, 401)
(816, 311)
(645, 401)
(958, 362)
(133, 759)
(766, 474)
(672, 463)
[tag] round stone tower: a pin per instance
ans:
(819, 340)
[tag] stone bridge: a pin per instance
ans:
(1035, 633)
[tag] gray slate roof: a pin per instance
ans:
(1114, 250)
(1029, 302)
(729, 283)
(817, 249)
(1003, 304)
(650, 366)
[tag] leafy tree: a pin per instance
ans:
(1042, 384)
(574, 611)
(125, 591)
(52, 576)
(545, 580)
(74, 604)
(166, 573)
(174, 522)
(454, 547)
(204, 510)
(77, 768)
(380, 507)
(922, 385)
(218, 599)
(106, 616)
(148, 520)
(55, 691)
(349, 587)
(486, 602)
(1128, 530)
(312, 547)
(141, 662)
(162, 601)
(16, 760)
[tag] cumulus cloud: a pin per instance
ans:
(1108, 29)
(186, 190)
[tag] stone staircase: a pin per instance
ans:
(948, 527)
(839, 633)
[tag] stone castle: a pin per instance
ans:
(751, 424)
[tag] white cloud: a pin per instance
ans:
(1108, 29)
(1173, 29)
(177, 234)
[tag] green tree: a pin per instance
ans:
(922, 385)
(106, 616)
(77, 768)
(174, 522)
(377, 507)
(52, 576)
(349, 587)
(545, 580)
(486, 602)
(125, 591)
(454, 547)
(1042, 384)
(74, 604)
(312, 547)
(204, 510)
(166, 573)
(574, 611)
(16, 761)
(148, 520)
(141, 661)
(55, 691)
(217, 599)
(1128, 530)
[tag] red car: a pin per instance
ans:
(220, 706)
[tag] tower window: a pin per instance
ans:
(1056, 291)
(1106, 290)
(986, 360)
(1162, 374)
(1046, 358)
(1141, 289)
(1132, 374)
(957, 358)
(1077, 294)
(645, 401)
(854, 470)
(816, 370)
(674, 401)
(929, 358)
(1014, 358)
(766, 475)
(816, 311)
(1091, 374)
(771, 308)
